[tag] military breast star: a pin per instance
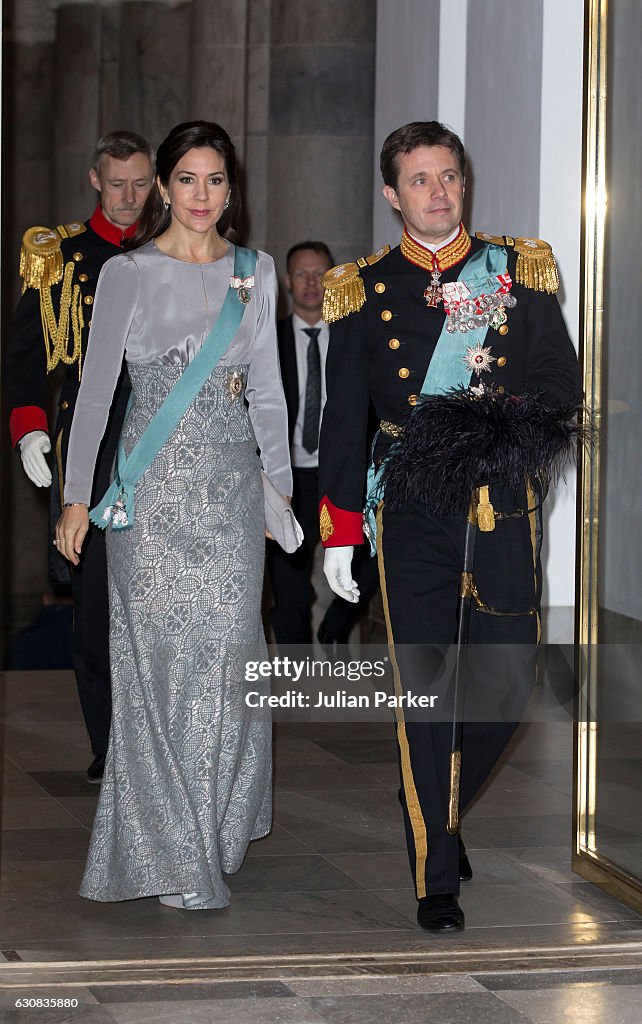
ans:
(478, 358)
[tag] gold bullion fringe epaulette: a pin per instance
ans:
(40, 258)
(41, 266)
(343, 290)
(536, 266)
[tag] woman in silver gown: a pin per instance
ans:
(187, 781)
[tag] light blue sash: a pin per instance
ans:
(117, 506)
(446, 369)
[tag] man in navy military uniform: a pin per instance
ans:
(461, 346)
(60, 269)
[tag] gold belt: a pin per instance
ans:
(392, 429)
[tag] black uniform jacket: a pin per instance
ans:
(381, 353)
(289, 374)
(85, 247)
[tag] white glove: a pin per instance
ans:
(33, 447)
(337, 566)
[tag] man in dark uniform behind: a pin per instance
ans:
(60, 269)
(461, 346)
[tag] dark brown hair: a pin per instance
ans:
(411, 136)
(318, 247)
(155, 218)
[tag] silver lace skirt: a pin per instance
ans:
(187, 780)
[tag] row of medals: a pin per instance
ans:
(487, 310)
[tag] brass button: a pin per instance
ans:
(77, 256)
(500, 389)
(501, 361)
(64, 405)
(88, 300)
(386, 315)
(89, 323)
(412, 399)
(503, 329)
(394, 343)
(380, 287)
(83, 277)
(404, 372)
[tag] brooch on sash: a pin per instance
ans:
(468, 312)
(243, 285)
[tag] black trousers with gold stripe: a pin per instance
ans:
(420, 560)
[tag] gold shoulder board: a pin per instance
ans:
(368, 261)
(343, 292)
(71, 230)
(536, 266)
(40, 257)
(493, 239)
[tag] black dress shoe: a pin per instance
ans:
(334, 647)
(465, 870)
(440, 913)
(96, 769)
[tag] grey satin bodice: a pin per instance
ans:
(157, 310)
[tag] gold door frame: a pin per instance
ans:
(587, 860)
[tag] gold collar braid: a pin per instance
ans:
(445, 257)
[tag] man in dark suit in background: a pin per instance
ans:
(303, 343)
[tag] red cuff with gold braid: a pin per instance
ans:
(26, 418)
(338, 526)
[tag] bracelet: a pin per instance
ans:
(70, 504)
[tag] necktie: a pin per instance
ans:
(312, 409)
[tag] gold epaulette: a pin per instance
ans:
(536, 266)
(343, 290)
(71, 230)
(40, 257)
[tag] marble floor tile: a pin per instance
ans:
(364, 751)
(501, 832)
(22, 922)
(440, 1008)
(224, 1011)
(276, 913)
(511, 792)
(279, 843)
(45, 844)
(308, 777)
(579, 1004)
(547, 863)
(366, 836)
(539, 741)
(34, 814)
(375, 870)
(88, 1014)
(194, 992)
(507, 906)
(65, 783)
(289, 750)
(81, 808)
(364, 985)
(516, 982)
(289, 874)
(47, 879)
(17, 783)
(85, 997)
(594, 898)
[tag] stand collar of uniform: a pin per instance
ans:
(110, 232)
(446, 256)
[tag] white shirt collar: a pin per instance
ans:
(299, 323)
(435, 248)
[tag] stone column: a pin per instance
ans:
(27, 179)
(155, 67)
(321, 118)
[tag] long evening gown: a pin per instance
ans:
(187, 781)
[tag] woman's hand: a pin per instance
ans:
(71, 530)
(288, 498)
